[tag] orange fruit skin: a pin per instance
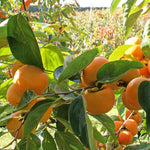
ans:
(133, 41)
(136, 51)
(12, 126)
(132, 126)
(89, 74)
(47, 114)
(15, 114)
(13, 95)
(135, 116)
(125, 137)
(118, 124)
(31, 104)
(17, 64)
(132, 92)
(131, 74)
(99, 102)
(114, 86)
(126, 103)
(29, 77)
(120, 118)
(144, 72)
(148, 65)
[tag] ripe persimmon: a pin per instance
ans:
(16, 65)
(132, 92)
(135, 115)
(29, 77)
(132, 126)
(125, 137)
(114, 86)
(125, 101)
(13, 95)
(118, 124)
(15, 126)
(99, 102)
(144, 72)
(133, 41)
(148, 65)
(89, 74)
(135, 51)
(131, 74)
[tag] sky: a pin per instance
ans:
(97, 3)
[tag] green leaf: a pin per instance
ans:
(40, 34)
(64, 122)
(146, 9)
(27, 97)
(108, 124)
(144, 100)
(34, 116)
(62, 145)
(130, 22)
(31, 143)
(119, 52)
(113, 71)
(22, 41)
(62, 87)
(75, 29)
(3, 108)
(52, 58)
(35, 140)
(146, 32)
(145, 46)
(3, 34)
(70, 140)
(4, 86)
(48, 141)
(61, 39)
(21, 145)
(5, 52)
(120, 107)
(4, 119)
(80, 123)
(140, 6)
(114, 5)
(75, 65)
(127, 7)
(141, 146)
(98, 136)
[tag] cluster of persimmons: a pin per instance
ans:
(100, 98)
(25, 77)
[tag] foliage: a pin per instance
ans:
(62, 42)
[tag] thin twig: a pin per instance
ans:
(25, 9)
(17, 131)
(68, 92)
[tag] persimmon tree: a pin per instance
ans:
(46, 44)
